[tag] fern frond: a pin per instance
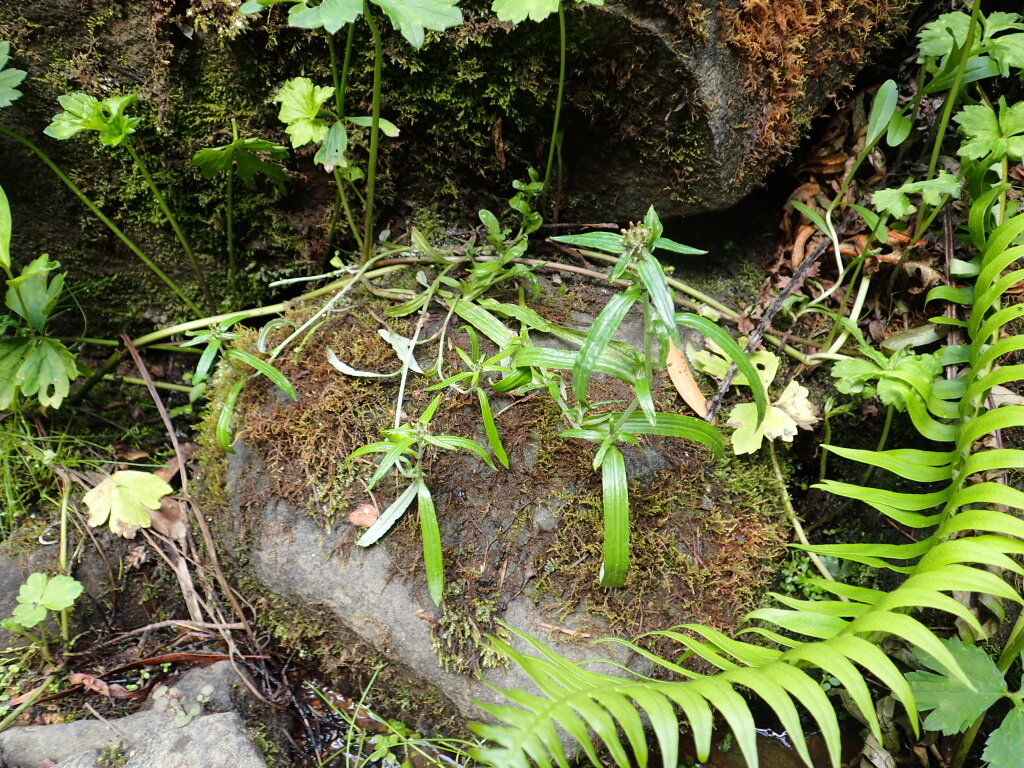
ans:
(970, 531)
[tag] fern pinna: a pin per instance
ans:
(970, 533)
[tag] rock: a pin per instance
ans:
(146, 739)
(523, 545)
(685, 105)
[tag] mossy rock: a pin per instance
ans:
(681, 104)
(523, 545)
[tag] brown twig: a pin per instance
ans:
(769, 315)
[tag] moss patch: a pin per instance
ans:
(703, 534)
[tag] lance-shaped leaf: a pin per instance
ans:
(124, 501)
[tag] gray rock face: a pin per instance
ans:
(146, 739)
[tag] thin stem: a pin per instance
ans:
(200, 277)
(230, 216)
(342, 88)
(798, 529)
(882, 440)
(342, 197)
(62, 562)
(954, 91)
(15, 713)
(140, 382)
(561, 91)
(371, 169)
(205, 322)
(94, 209)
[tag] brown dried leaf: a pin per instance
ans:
(363, 516)
(171, 519)
(136, 557)
(93, 683)
(683, 381)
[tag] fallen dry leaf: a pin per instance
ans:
(136, 557)
(364, 515)
(170, 519)
(683, 381)
(93, 683)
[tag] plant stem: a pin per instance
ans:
(94, 209)
(340, 88)
(62, 562)
(954, 91)
(371, 168)
(230, 217)
(561, 91)
(200, 277)
(15, 713)
(342, 197)
(798, 529)
(142, 383)
(345, 65)
(882, 440)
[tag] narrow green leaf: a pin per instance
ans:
(616, 519)
(491, 428)
(660, 295)
(600, 334)
(389, 516)
(5, 233)
(432, 554)
(733, 351)
(223, 430)
(266, 369)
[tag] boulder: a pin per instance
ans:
(683, 104)
(146, 739)
(522, 546)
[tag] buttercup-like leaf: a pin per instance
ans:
(413, 17)
(40, 594)
(1003, 749)
(124, 501)
(517, 11)
(301, 102)
(953, 706)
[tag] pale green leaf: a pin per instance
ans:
(517, 11)
(301, 102)
(124, 500)
(5, 232)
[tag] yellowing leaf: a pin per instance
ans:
(748, 437)
(124, 501)
(682, 380)
(795, 403)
